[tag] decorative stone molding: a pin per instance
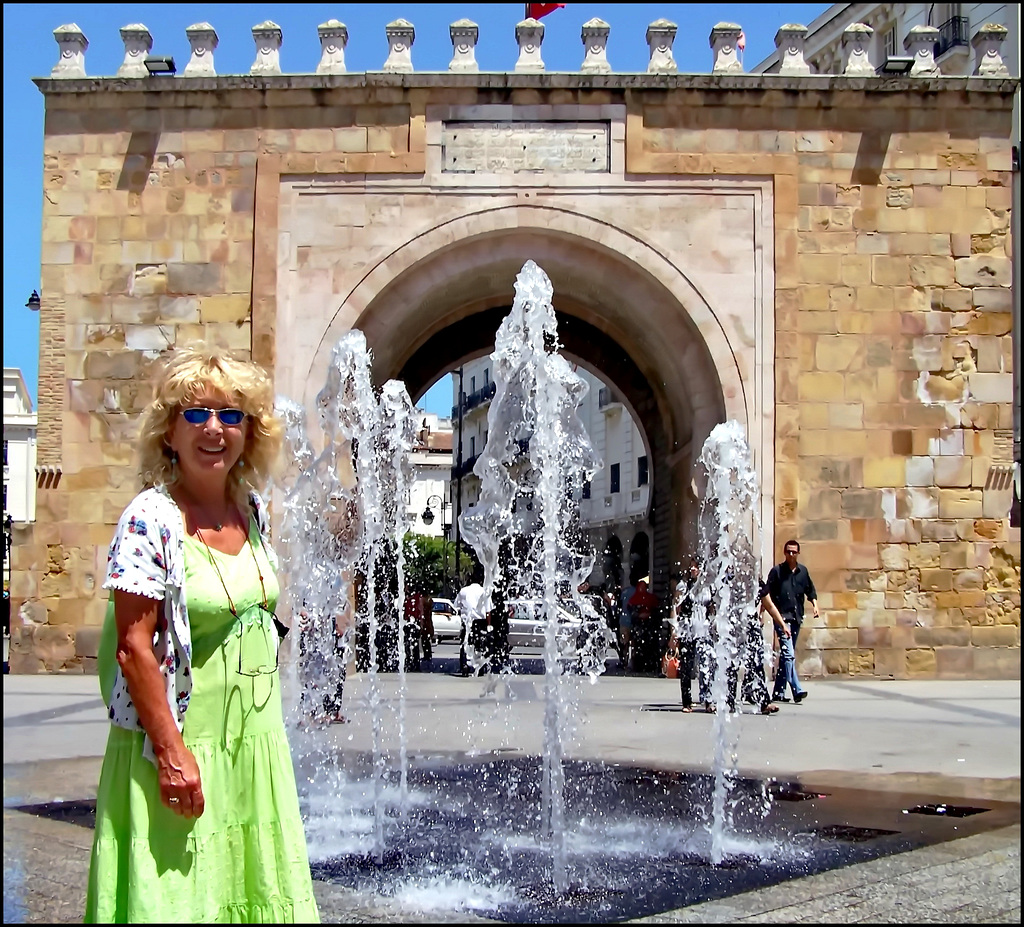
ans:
(137, 44)
(203, 39)
(595, 43)
(724, 41)
(529, 36)
(988, 55)
(464, 33)
(920, 42)
(856, 50)
(73, 43)
(401, 34)
(333, 39)
(660, 36)
(790, 41)
(268, 37)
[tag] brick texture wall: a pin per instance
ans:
(893, 369)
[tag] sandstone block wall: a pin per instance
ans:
(893, 367)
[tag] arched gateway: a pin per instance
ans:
(626, 311)
(824, 258)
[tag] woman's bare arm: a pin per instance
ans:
(177, 770)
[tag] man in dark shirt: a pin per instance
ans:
(789, 584)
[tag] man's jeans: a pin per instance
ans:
(786, 673)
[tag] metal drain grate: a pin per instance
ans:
(783, 793)
(948, 811)
(849, 833)
(82, 813)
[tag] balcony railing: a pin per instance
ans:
(466, 468)
(954, 32)
(472, 400)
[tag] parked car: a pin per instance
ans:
(526, 627)
(447, 622)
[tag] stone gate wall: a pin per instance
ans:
(893, 365)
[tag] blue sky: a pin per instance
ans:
(30, 51)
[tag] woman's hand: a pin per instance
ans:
(177, 771)
(181, 787)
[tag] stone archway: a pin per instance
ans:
(626, 312)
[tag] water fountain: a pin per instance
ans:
(536, 835)
(539, 453)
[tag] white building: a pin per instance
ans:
(954, 53)
(431, 460)
(616, 503)
(19, 448)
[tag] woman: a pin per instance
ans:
(197, 815)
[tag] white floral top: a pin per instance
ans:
(147, 557)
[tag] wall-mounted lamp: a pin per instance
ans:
(895, 65)
(33, 301)
(160, 64)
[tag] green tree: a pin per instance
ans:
(430, 565)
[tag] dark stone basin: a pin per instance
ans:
(468, 840)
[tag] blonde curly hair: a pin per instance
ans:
(184, 375)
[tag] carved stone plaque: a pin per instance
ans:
(512, 147)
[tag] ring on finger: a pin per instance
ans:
(174, 801)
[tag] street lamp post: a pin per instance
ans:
(428, 519)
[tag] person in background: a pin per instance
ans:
(470, 605)
(197, 813)
(755, 684)
(683, 640)
(626, 624)
(644, 632)
(789, 584)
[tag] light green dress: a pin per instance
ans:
(244, 860)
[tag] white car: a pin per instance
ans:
(447, 622)
(526, 627)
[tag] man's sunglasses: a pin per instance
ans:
(199, 416)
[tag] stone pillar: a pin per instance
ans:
(203, 39)
(920, 42)
(725, 48)
(660, 36)
(333, 39)
(73, 43)
(401, 34)
(137, 44)
(790, 40)
(595, 44)
(988, 55)
(464, 33)
(529, 36)
(856, 45)
(268, 37)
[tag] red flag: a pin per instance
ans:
(741, 43)
(537, 10)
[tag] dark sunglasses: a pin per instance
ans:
(792, 553)
(196, 415)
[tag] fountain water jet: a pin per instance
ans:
(729, 583)
(537, 452)
(340, 508)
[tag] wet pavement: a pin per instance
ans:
(943, 741)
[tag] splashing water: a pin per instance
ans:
(729, 584)
(395, 438)
(344, 513)
(525, 526)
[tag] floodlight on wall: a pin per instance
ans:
(160, 64)
(33, 302)
(895, 65)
